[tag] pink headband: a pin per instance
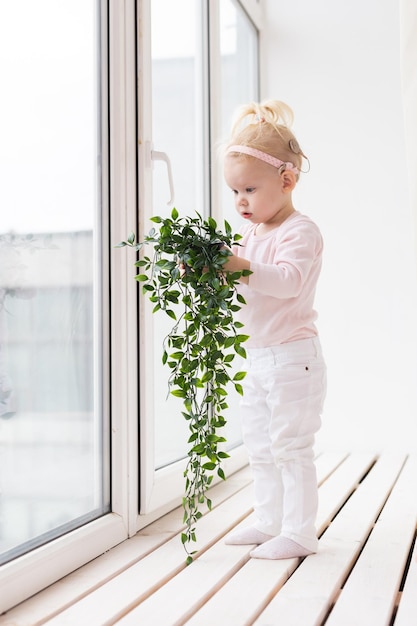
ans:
(263, 156)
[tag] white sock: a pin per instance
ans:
(280, 548)
(247, 536)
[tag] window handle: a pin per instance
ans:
(157, 155)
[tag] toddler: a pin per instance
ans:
(286, 374)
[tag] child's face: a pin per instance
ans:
(262, 195)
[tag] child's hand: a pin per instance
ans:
(237, 264)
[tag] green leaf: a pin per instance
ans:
(207, 376)
(215, 283)
(215, 439)
(212, 223)
(239, 376)
(179, 393)
(222, 378)
(240, 351)
(177, 355)
(175, 273)
(174, 214)
(223, 292)
(206, 340)
(229, 341)
(221, 474)
(172, 296)
(171, 314)
(239, 389)
(141, 277)
(163, 263)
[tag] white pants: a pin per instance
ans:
(283, 398)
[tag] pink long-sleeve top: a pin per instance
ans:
(285, 265)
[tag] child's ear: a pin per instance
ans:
(288, 180)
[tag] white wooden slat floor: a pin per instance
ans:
(365, 572)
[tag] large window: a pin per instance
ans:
(53, 431)
(99, 97)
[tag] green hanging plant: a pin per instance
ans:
(187, 269)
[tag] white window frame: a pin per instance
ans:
(31, 572)
(255, 10)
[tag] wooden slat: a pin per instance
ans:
(311, 590)
(407, 609)
(337, 488)
(327, 462)
(369, 595)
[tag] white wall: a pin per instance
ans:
(338, 65)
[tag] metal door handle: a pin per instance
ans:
(157, 155)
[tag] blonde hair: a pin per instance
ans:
(265, 126)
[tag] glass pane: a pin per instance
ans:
(239, 85)
(176, 122)
(176, 130)
(52, 459)
(239, 60)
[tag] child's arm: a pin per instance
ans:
(285, 275)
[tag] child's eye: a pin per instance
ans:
(250, 189)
